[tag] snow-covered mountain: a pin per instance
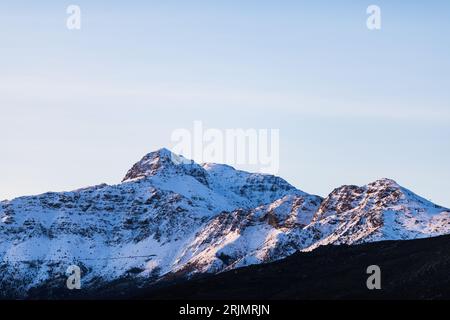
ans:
(381, 210)
(171, 216)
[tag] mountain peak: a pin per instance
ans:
(153, 162)
(162, 151)
(384, 182)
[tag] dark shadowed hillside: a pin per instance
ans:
(415, 269)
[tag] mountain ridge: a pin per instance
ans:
(180, 218)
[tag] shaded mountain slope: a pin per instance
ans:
(412, 269)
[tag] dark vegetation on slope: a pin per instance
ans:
(414, 269)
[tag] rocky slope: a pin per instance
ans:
(173, 217)
(381, 210)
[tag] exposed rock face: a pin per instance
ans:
(173, 216)
(381, 210)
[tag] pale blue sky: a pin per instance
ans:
(80, 107)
